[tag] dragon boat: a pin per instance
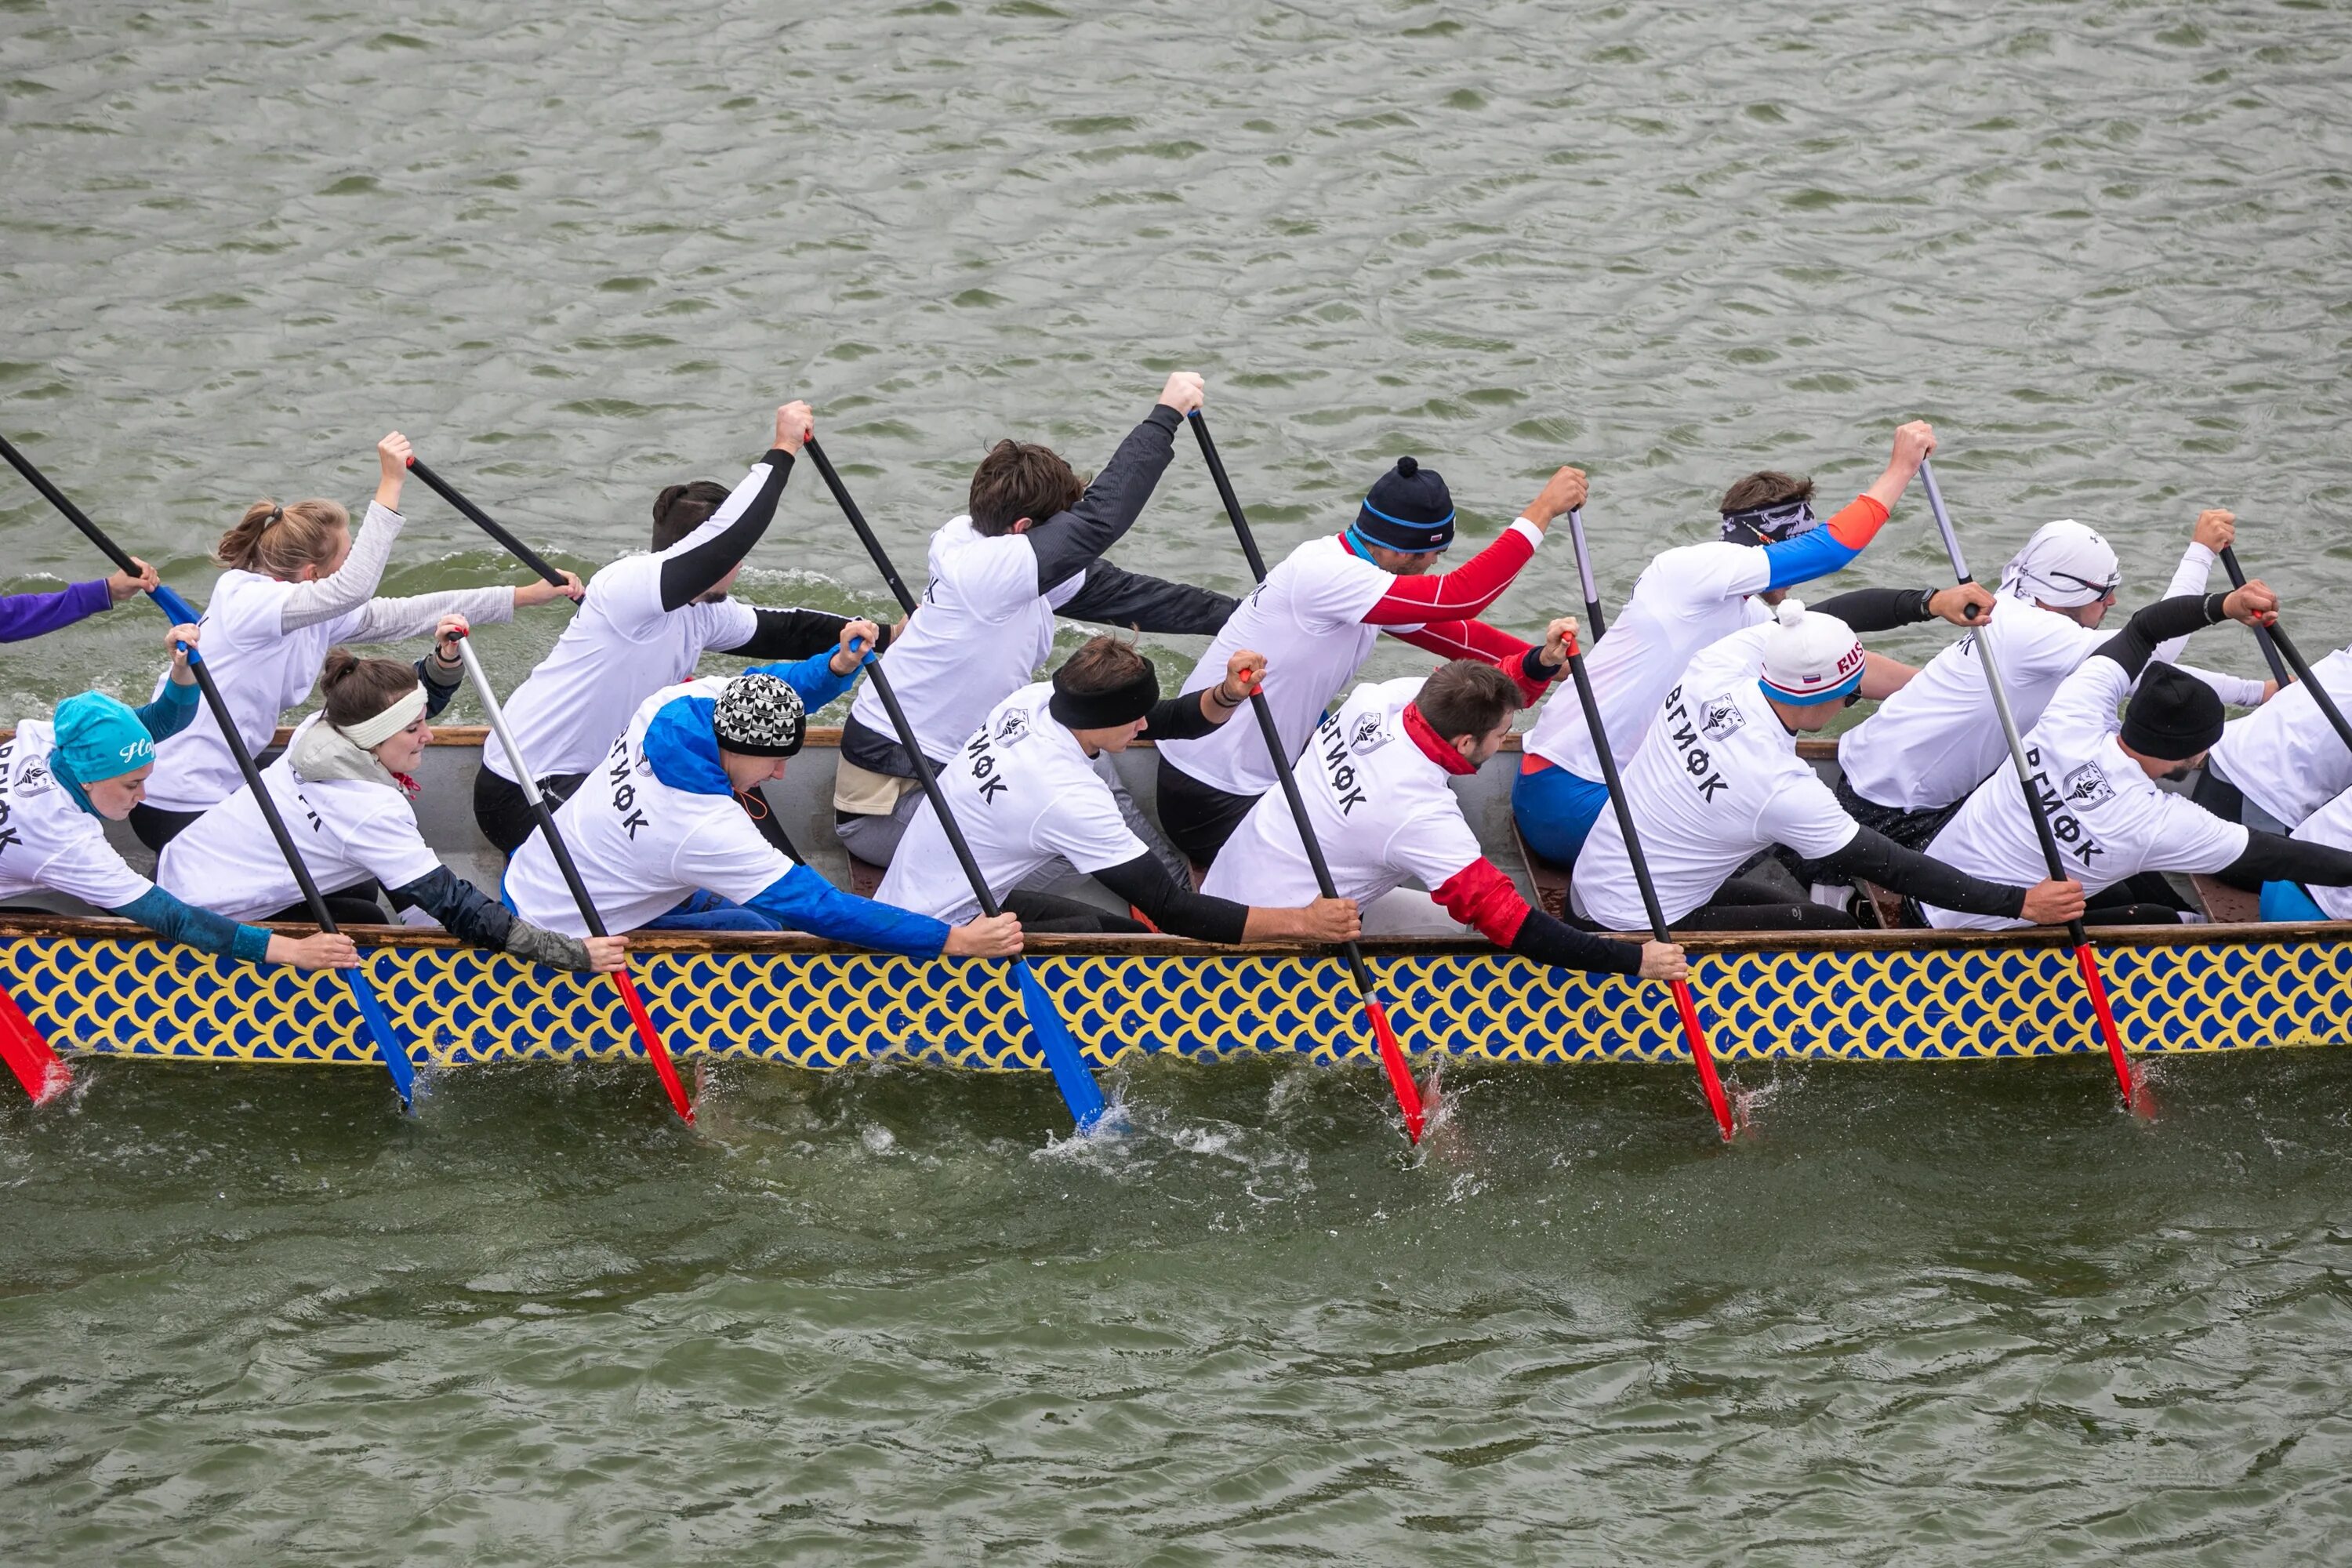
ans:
(103, 987)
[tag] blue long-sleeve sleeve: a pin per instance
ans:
(811, 677)
(166, 916)
(168, 714)
(24, 615)
(1828, 548)
(803, 900)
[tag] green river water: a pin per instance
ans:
(1923, 1314)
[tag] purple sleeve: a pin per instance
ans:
(24, 615)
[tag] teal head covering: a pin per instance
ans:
(97, 738)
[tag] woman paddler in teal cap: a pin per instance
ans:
(89, 762)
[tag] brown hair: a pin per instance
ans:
(1102, 664)
(1466, 698)
(279, 541)
(1018, 480)
(681, 509)
(357, 689)
(1767, 487)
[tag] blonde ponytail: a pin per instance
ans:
(279, 541)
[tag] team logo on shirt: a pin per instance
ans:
(2088, 785)
(35, 777)
(624, 794)
(1013, 728)
(1720, 718)
(983, 764)
(1337, 768)
(1696, 761)
(1371, 732)
(2065, 827)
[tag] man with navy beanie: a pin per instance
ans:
(1316, 617)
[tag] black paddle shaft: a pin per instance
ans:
(2262, 635)
(73, 514)
(832, 477)
(1265, 726)
(2276, 634)
(1616, 787)
(487, 524)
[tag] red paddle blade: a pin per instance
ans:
(29, 1055)
(2087, 961)
(1703, 1058)
(657, 1052)
(1408, 1094)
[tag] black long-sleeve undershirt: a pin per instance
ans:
(1879, 609)
(1876, 858)
(1555, 942)
(2273, 858)
(1069, 541)
(1145, 883)
(463, 910)
(1114, 596)
(690, 574)
(795, 634)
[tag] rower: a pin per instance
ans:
(645, 623)
(664, 840)
(1025, 792)
(299, 582)
(26, 615)
(1717, 778)
(2330, 825)
(1686, 600)
(1029, 547)
(1907, 767)
(1317, 615)
(348, 776)
(91, 762)
(2275, 767)
(2116, 831)
(1375, 785)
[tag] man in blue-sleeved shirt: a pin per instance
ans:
(662, 833)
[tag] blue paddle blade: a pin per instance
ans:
(1070, 1074)
(388, 1043)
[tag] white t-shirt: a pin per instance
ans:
(2284, 756)
(347, 830)
(2330, 825)
(641, 846)
(1381, 810)
(1937, 738)
(1024, 791)
(1686, 600)
(620, 649)
(47, 844)
(979, 634)
(1717, 779)
(1307, 618)
(2109, 818)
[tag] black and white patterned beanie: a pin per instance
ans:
(760, 716)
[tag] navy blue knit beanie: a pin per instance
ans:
(1408, 509)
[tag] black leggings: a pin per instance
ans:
(1050, 914)
(352, 906)
(503, 814)
(156, 828)
(1198, 818)
(1742, 904)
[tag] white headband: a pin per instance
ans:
(405, 710)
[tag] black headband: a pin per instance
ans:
(1103, 710)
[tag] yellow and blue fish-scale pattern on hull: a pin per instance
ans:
(138, 997)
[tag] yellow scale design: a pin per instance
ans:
(116, 997)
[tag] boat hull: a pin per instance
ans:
(115, 992)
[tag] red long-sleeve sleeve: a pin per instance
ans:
(1480, 896)
(1488, 644)
(1459, 595)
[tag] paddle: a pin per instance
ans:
(1702, 1057)
(490, 525)
(29, 1055)
(2085, 956)
(1071, 1076)
(2266, 637)
(655, 1051)
(388, 1043)
(1392, 1056)
(2278, 642)
(1584, 572)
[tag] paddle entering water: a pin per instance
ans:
(40, 1069)
(390, 1048)
(1071, 1075)
(2087, 957)
(1685, 1007)
(657, 1051)
(1393, 1061)
(2275, 642)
